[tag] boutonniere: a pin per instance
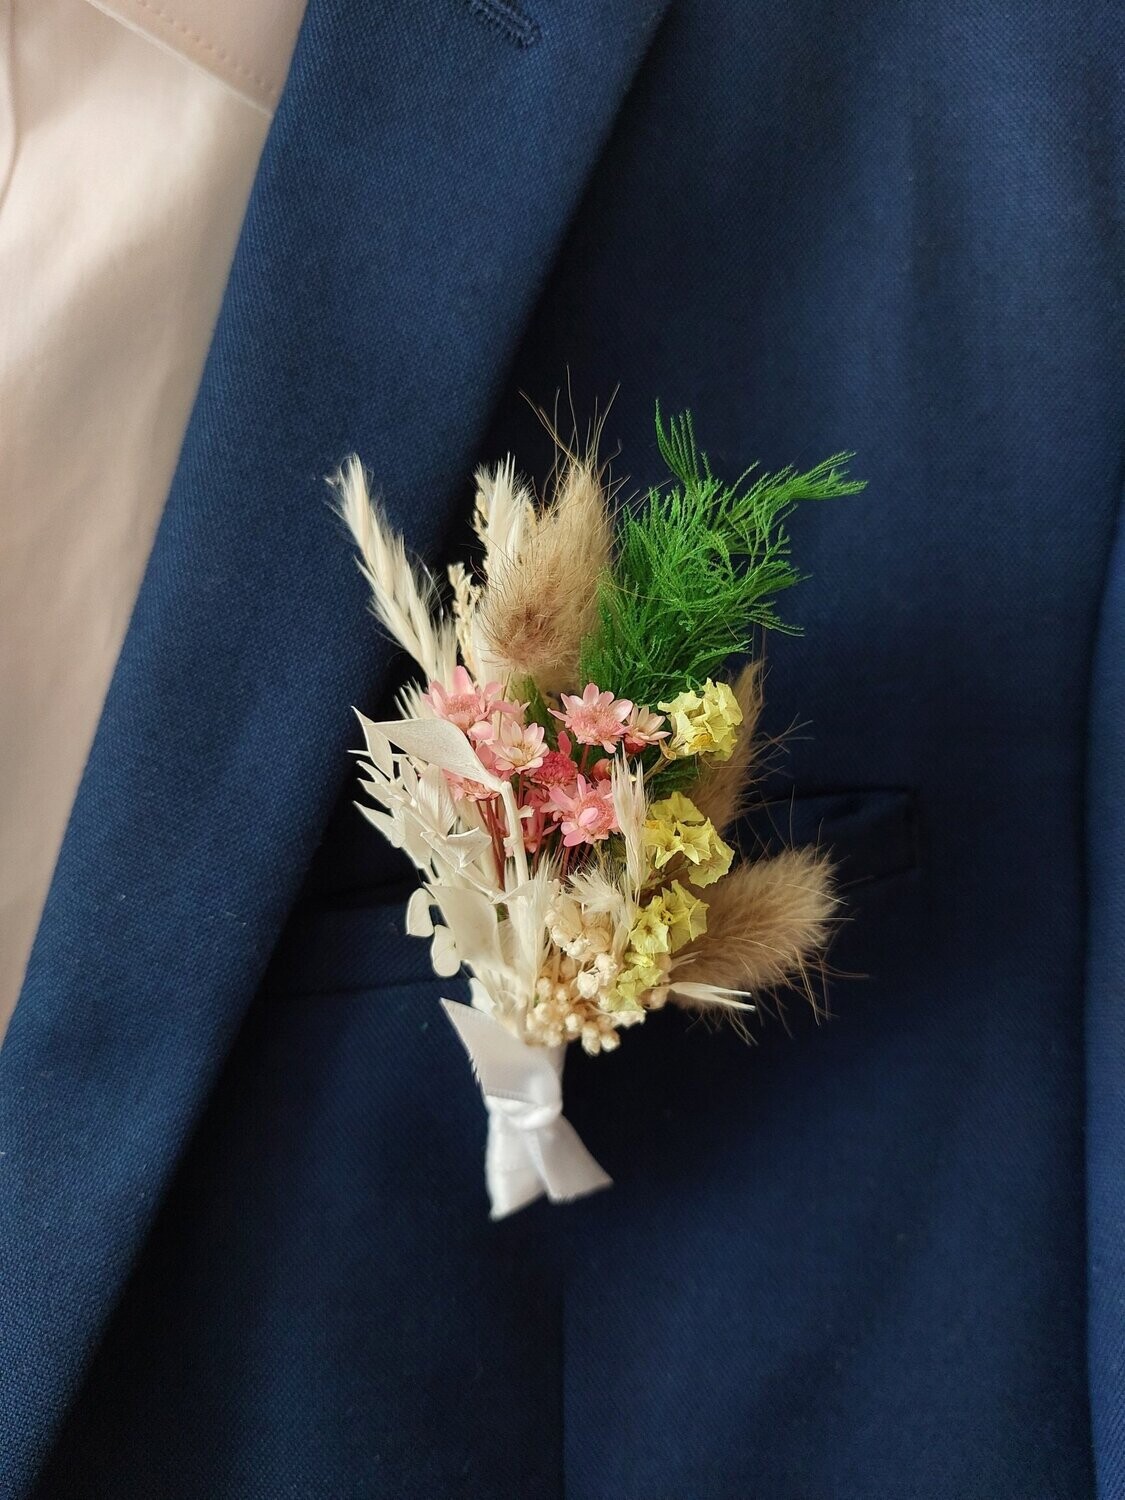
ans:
(565, 774)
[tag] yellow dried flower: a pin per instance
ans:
(668, 921)
(651, 932)
(664, 827)
(687, 915)
(639, 976)
(704, 723)
(676, 826)
(679, 807)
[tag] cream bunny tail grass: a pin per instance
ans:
(465, 596)
(502, 517)
(503, 514)
(721, 791)
(539, 603)
(403, 595)
(766, 922)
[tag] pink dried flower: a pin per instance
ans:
(585, 815)
(461, 786)
(596, 718)
(512, 746)
(555, 769)
(468, 705)
(642, 728)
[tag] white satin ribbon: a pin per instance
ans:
(532, 1149)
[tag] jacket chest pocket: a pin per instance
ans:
(871, 834)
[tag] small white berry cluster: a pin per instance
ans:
(573, 991)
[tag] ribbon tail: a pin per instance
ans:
(565, 1167)
(511, 1175)
(532, 1149)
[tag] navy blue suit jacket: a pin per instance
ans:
(244, 1246)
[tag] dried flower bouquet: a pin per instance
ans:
(564, 779)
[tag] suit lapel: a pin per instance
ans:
(421, 169)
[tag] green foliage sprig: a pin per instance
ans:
(697, 569)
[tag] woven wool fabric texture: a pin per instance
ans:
(244, 1247)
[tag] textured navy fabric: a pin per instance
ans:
(244, 1247)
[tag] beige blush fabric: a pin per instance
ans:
(126, 160)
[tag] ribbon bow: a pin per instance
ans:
(532, 1149)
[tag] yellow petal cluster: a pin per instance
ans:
(687, 915)
(669, 920)
(640, 976)
(704, 722)
(676, 826)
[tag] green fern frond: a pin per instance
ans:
(697, 570)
